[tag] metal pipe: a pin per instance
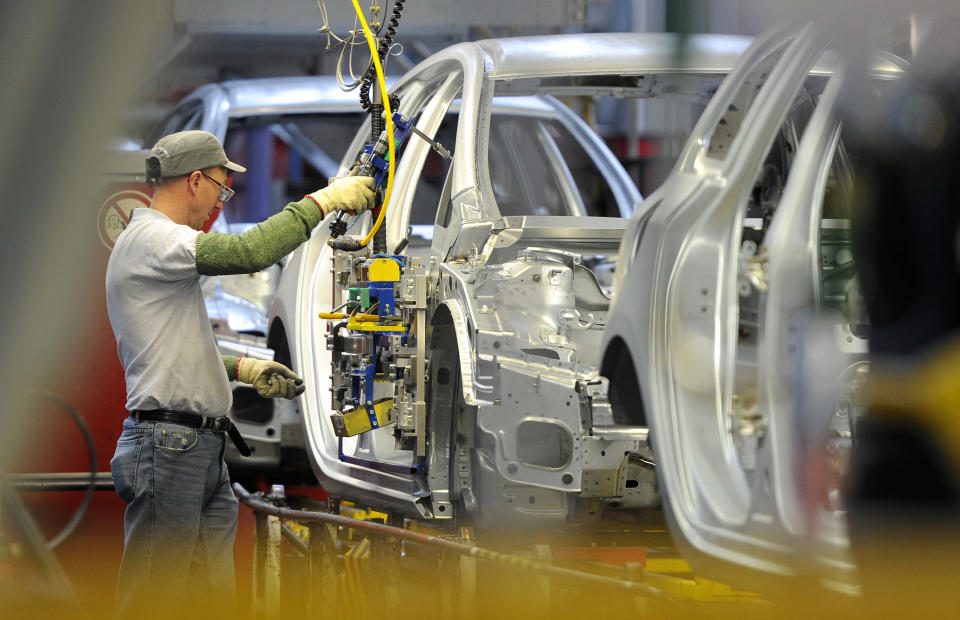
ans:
(628, 433)
(71, 481)
(488, 555)
(293, 539)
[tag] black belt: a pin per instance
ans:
(219, 424)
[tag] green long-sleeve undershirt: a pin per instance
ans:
(263, 245)
(230, 365)
(258, 248)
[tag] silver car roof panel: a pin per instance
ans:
(620, 53)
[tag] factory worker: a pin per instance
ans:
(181, 515)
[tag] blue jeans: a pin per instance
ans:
(180, 521)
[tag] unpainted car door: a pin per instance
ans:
(717, 310)
(334, 461)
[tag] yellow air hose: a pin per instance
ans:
(389, 114)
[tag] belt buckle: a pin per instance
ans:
(221, 424)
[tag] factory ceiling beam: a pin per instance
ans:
(258, 17)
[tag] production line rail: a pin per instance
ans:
(315, 561)
(335, 559)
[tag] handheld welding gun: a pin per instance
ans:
(372, 163)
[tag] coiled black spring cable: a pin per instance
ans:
(385, 42)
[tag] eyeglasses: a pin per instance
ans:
(225, 192)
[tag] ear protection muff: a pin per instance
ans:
(153, 171)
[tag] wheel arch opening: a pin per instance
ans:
(626, 395)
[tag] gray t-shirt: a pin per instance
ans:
(159, 318)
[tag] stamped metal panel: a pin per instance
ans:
(289, 95)
(693, 332)
(216, 110)
(797, 420)
(415, 154)
(535, 343)
(611, 53)
(705, 490)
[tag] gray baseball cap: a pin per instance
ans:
(185, 151)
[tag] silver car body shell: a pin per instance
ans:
(677, 282)
(480, 248)
(222, 101)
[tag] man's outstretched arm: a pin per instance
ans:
(270, 240)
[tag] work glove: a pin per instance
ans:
(272, 379)
(347, 194)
